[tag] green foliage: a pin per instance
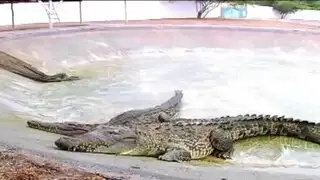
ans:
(313, 5)
(261, 3)
(285, 7)
(265, 3)
(306, 4)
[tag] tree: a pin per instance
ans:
(285, 7)
(204, 7)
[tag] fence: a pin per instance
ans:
(26, 13)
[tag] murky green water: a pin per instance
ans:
(124, 70)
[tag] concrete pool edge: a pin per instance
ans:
(10, 35)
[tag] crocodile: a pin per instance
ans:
(18, 66)
(187, 139)
(163, 112)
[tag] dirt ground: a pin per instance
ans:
(19, 166)
(297, 24)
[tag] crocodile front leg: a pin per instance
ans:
(164, 117)
(175, 155)
(59, 77)
(222, 144)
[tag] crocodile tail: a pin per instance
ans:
(261, 125)
(172, 106)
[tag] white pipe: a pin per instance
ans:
(50, 12)
(125, 11)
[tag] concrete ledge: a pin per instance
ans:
(106, 27)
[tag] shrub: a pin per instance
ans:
(285, 7)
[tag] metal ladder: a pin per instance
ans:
(51, 11)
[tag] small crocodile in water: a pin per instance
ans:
(165, 111)
(17, 66)
(186, 139)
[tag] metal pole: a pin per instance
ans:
(12, 15)
(197, 8)
(50, 12)
(125, 11)
(80, 10)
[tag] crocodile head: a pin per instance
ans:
(61, 77)
(72, 78)
(106, 139)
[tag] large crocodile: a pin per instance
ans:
(186, 139)
(17, 66)
(162, 112)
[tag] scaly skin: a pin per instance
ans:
(17, 66)
(162, 112)
(186, 139)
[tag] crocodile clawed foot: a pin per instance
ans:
(222, 144)
(68, 144)
(222, 155)
(175, 155)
